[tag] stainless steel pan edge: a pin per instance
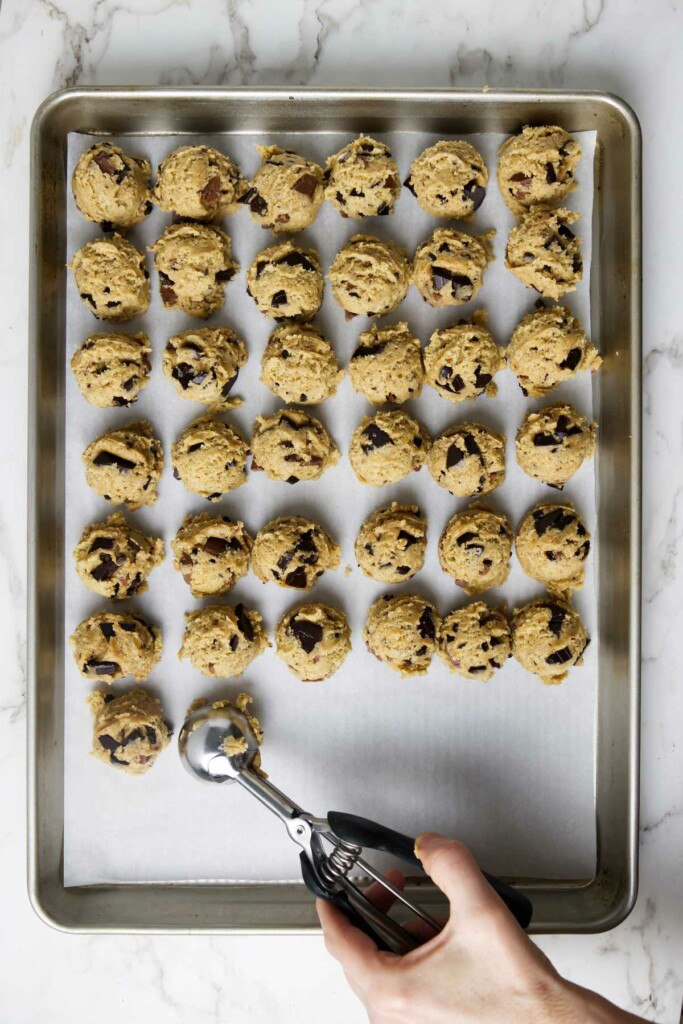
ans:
(590, 905)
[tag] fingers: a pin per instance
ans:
(455, 871)
(354, 950)
(382, 897)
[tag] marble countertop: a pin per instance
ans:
(630, 48)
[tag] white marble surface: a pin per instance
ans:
(630, 47)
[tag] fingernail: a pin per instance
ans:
(424, 841)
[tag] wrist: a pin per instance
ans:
(586, 1007)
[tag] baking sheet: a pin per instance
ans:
(508, 766)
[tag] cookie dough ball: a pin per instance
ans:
(553, 443)
(286, 192)
(552, 546)
(362, 179)
(386, 447)
(194, 263)
(112, 278)
(461, 361)
(198, 183)
(544, 253)
(369, 277)
(211, 553)
(110, 646)
(299, 365)
(448, 269)
(547, 347)
(293, 552)
(112, 369)
(111, 188)
(210, 458)
(114, 559)
(313, 640)
(233, 746)
(475, 641)
(387, 365)
(537, 166)
(221, 641)
(129, 731)
(392, 543)
(204, 364)
(468, 460)
(401, 632)
(475, 549)
(449, 179)
(285, 281)
(124, 466)
(548, 638)
(292, 446)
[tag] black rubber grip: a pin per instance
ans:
(341, 901)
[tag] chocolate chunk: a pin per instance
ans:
(225, 275)
(101, 668)
(306, 542)
(363, 351)
(297, 578)
(557, 518)
(481, 380)
(104, 571)
(583, 550)
(296, 259)
(403, 570)
(216, 546)
(292, 479)
(475, 193)
(234, 643)
(383, 210)
(87, 297)
(417, 441)
(107, 628)
(474, 669)
(306, 185)
(211, 192)
(557, 617)
(228, 386)
(426, 627)
(309, 634)
(136, 734)
(544, 440)
(520, 177)
(409, 185)
(184, 373)
(440, 277)
(215, 496)
(104, 163)
(168, 296)
(564, 430)
(391, 183)
(243, 623)
(108, 742)
(407, 538)
(279, 299)
(564, 231)
(454, 456)
(101, 543)
(550, 175)
(450, 381)
(107, 225)
(148, 208)
(257, 203)
(377, 438)
(128, 627)
(109, 697)
(464, 538)
(471, 445)
(110, 459)
(195, 447)
(572, 359)
(151, 734)
(112, 305)
(560, 657)
(367, 147)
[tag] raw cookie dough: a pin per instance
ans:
(468, 460)
(537, 166)
(300, 365)
(112, 369)
(129, 731)
(194, 263)
(110, 646)
(313, 640)
(448, 268)
(286, 192)
(386, 447)
(369, 277)
(211, 553)
(362, 179)
(449, 179)
(114, 558)
(547, 347)
(234, 745)
(392, 543)
(475, 549)
(461, 361)
(548, 638)
(291, 445)
(293, 552)
(204, 364)
(198, 183)
(221, 640)
(552, 546)
(401, 631)
(474, 641)
(553, 443)
(210, 458)
(387, 365)
(112, 278)
(544, 253)
(111, 188)
(124, 466)
(285, 281)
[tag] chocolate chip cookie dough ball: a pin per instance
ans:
(392, 543)
(547, 347)
(548, 638)
(292, 446)
(286, 192)
(112, 278)
(112, 369)
(449, 179)
(544, 253)
(553, 443)
(369, 277)
(537, 166)
(461, 361)
(111, 188)
(293, 552)
(386, 447)
(552, 546)
(401, 631)
(468, 460)
(299, 365)
(313, 640)
(475, 549)
(448, 269)
(387, 365)
(198, 183)
(285, 281)
(474, 641)
(221, 641)
(210, 458)
(204, 364)
(362, 179)
(211, 553)
(194, 263)
(114, 558)
(129, 731)
(124, 466)
(110, 646)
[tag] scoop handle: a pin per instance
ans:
(341, 901)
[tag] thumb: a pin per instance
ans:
(453, 868)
